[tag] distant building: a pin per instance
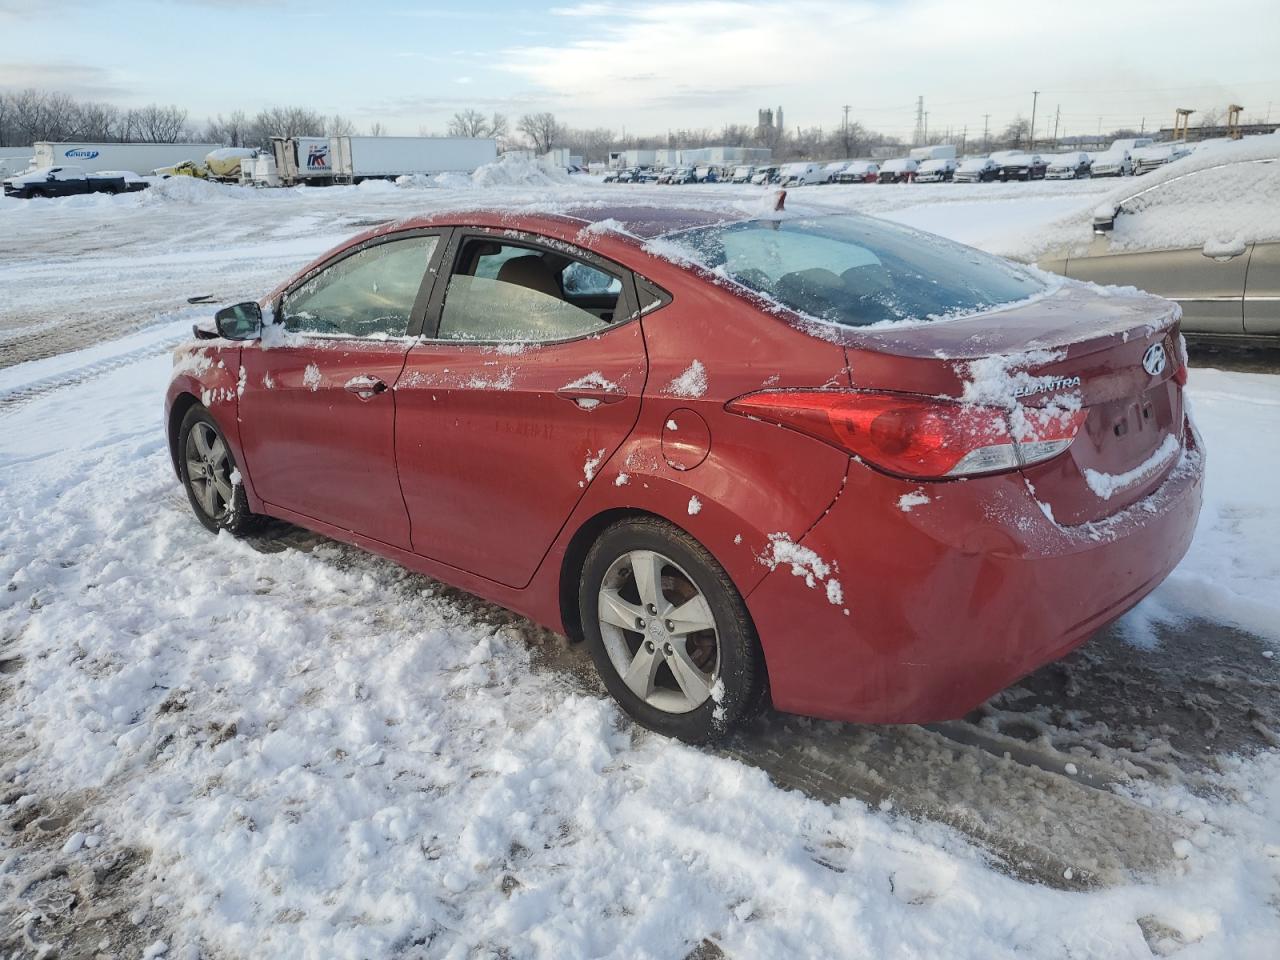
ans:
(779, 118)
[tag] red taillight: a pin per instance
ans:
(919, 437)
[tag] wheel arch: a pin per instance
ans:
(575, 556)
(177, 411)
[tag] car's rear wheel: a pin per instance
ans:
(669, 632)
(210, 476)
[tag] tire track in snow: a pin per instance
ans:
(11, 398)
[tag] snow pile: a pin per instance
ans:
(512, 170)
(191, 190)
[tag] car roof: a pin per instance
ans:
(641, 222)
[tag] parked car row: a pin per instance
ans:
(1129, 157)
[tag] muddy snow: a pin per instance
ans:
(285, 747)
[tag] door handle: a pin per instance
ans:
(365, 387)
(588, 398)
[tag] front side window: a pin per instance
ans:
(856, 271)
(511, 292)
(368, 294)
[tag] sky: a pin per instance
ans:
(653, 67)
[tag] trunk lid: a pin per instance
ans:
(1113, 353)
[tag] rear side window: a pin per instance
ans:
(515, 293)
(368, 294)
(855, 271)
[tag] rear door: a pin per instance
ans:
(316, 409)
(531, 377)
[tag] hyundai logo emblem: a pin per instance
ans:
(1154, 359)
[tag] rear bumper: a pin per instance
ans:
(942, 606)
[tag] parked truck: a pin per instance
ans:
(326, 160)
(65, 180)
(142, 157)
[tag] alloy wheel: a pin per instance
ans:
(659, 631)
(209, 470)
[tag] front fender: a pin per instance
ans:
(210, 374)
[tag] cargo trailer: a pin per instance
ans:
(142, 157)
(326, 160)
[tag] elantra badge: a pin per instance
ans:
(1154, 359)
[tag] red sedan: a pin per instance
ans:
(828, 462)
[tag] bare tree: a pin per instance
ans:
(376, 129)
(339, 126)
(284, 122)
(156, 124)
(100, 122)
(498, 127)
(233, 131)
(469, 123)
(542, 129)
(1018, 133)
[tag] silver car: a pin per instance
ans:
(1179, 239)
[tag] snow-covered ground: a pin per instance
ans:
(284, 747)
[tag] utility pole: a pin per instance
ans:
(847, 107)
(1057, 113)
(919, 134)
(1035, 96)
(986, 142)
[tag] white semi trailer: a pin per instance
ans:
(326, 160)
(140, 157)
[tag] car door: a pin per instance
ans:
(1158, 243)
(530, 379)
(1262, 290)
(317, 415)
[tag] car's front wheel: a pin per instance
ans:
(668, 631)
(210, 476)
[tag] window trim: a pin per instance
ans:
(421, 301)
(628, 301)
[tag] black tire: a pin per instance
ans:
(229, 513)
(739, 663)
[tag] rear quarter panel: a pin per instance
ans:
(705, 348)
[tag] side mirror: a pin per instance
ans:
(240, 322)
(1104, 218)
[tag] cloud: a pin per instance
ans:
(78, 80)
(667, 62)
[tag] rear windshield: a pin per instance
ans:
(856, 271)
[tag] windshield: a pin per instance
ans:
(857, 271)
